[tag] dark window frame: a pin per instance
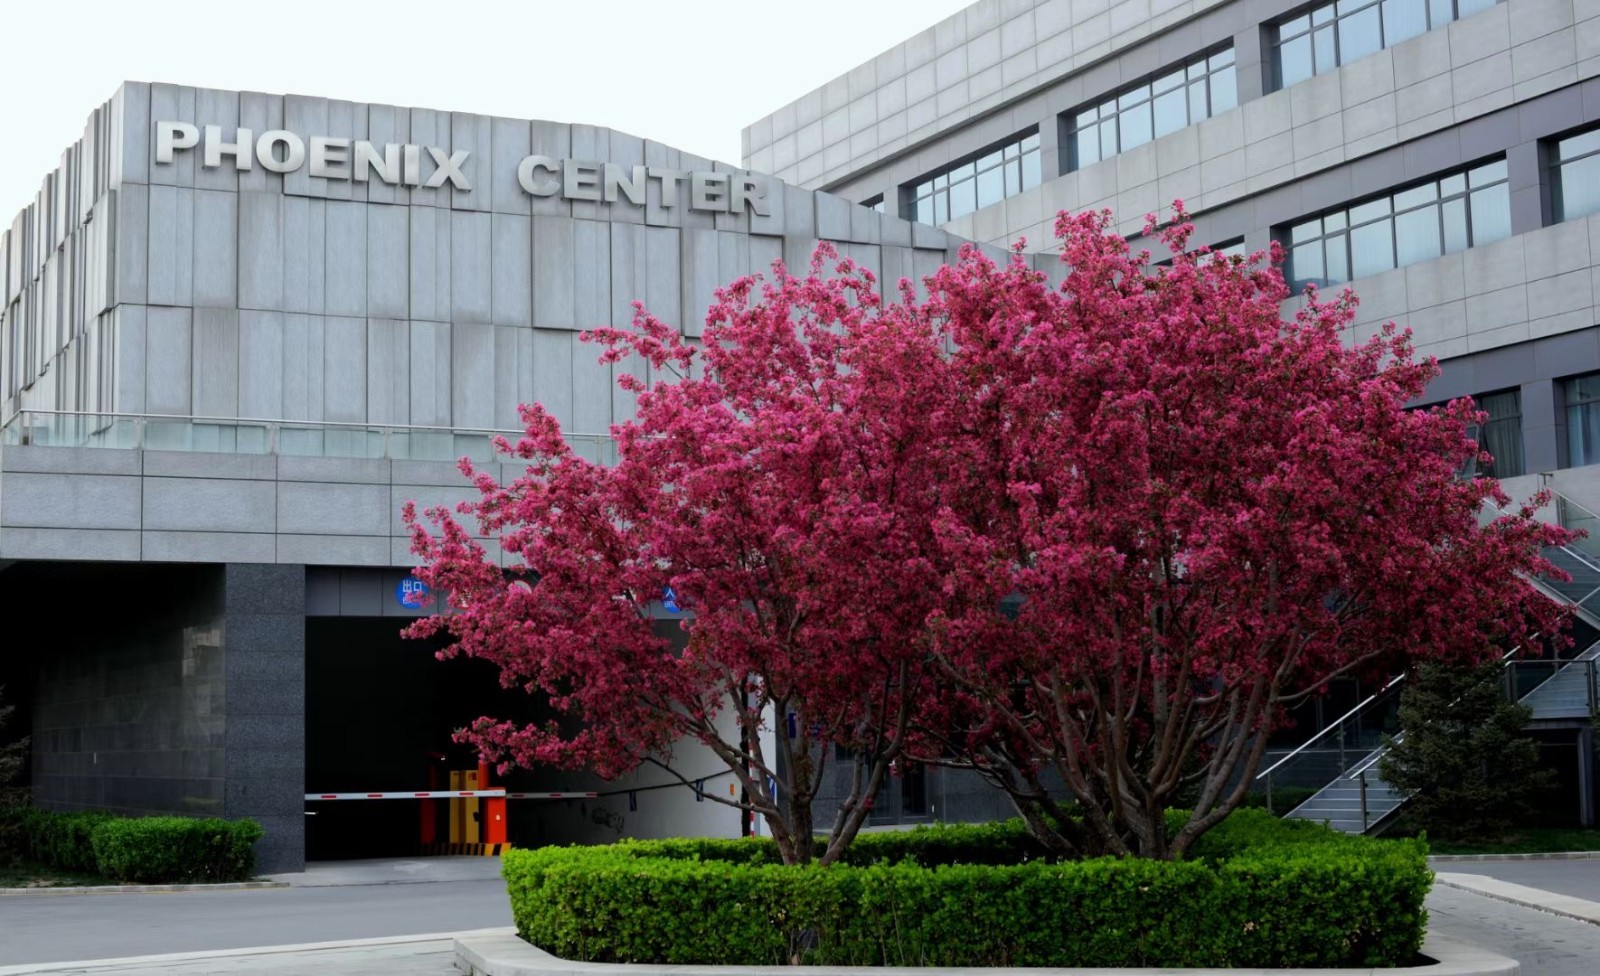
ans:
(920, 197)
(1109, 109)
(1304, 22)
(1557, 164)
(1345, 229)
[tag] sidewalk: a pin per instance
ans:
(391, 870)
(422, 955)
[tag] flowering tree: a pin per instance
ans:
(1200, 515)
(1101, 535)
(776, 483)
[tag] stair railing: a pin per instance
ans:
(1339, 725)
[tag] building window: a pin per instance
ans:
(1331, 34)
(1441, 216)
(979, 181)
(1582, 394)
(874, 204)
(1183, 96)
(1501, 434)
(1229, 248)
(1576, 187)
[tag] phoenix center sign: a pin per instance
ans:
(332, 158)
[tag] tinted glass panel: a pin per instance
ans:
(1491, 214)
(1372, 249)
(1178, 97)
(1578, 189)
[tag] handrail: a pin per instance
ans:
(1506, 661)
(1333, 725)
(281, 422)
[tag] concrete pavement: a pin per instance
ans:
(1574, 877)
(51, 928)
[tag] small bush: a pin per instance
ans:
(156, 850)
(1260, 892)
(62, 840)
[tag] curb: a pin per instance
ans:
(499, 952)
(143, 889)
(1538, 899)
(1553, 856)
(177, 957)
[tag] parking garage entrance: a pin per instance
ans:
(380, 713)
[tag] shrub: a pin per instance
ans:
(1262, 893)
(62, 840)
(153, 850)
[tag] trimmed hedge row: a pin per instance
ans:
(1260, 892)
(143, 850)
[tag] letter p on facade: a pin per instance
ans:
(172, 136)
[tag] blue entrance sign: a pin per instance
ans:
(411, 592)
(669, 599)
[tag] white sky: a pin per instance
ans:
(691, 75)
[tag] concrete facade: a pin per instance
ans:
(1519, 313)
(243, 375)
(1464, 85)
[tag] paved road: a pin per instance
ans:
(412, 959)
(1546, 945)
(60, 928)
(1579, 878)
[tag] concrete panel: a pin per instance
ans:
(69, 460)
(195, 464)
(261, 364)
(346, 258)
(629, 271)
(129, 343)
(554, 247)
(261, 246)
(304, 255)
(430, 373)
(215, 362)
(430, 264)
(699, 277)
(473, 375)
(302, 367)
(334, 550)
(591, 252)
(511, 269)
(508, 139)
(470, 242)
(388, 254)
(333, 509)
(388, 371)
(36, 500)
(208, 547)
(112, 545)
(216, 257)
(171, 246)
(260, 113)
(473, 133)
(345, 369)
(662, 284)
(552, 373)
(167, 361)
(343, 470)
(209, 505)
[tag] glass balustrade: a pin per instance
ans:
(51, 428)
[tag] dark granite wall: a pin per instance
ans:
(178, 689)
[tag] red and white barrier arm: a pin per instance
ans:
(451, 794)
(418, 795)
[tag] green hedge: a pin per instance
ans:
(1260, 892)
(146, 850)
(176, 849)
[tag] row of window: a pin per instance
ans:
(1444, 215)
(978, 181)
(1501, 433)
(1314, 41)
(1332, 34)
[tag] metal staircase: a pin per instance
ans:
(1344, 756)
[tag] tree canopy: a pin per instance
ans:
(1090, 539)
